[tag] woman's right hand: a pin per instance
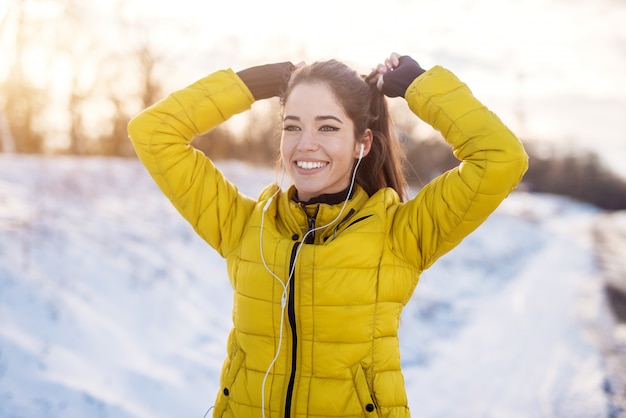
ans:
(265, 81)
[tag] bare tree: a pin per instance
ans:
(148, 60)
(79, 49)
(127, 82)
(7, 142)
(23, 102)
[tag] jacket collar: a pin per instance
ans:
(327, 198)
(295, 218)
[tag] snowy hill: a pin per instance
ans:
(111, 306)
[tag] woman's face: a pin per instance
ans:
(318, 145)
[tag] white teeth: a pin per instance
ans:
(310, 165)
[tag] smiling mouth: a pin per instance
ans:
(310, 165)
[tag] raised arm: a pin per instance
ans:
(492, 163)
(161, 136)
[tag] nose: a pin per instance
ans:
(307, 141)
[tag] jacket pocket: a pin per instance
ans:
(229, 374)
(343, 227)
(364, 392)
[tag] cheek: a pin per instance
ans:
(346, 151)
(286, 149)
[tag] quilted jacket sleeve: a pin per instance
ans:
(453, 205)
(161, 136)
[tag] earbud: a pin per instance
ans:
(361, 152)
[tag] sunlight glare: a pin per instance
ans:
(42, 8)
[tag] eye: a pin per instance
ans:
(328, 128)
(291, 128)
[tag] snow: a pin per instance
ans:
(111, 306)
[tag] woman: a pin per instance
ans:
(322, 271)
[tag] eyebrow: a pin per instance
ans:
(317, 118)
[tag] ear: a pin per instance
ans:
(366, 141)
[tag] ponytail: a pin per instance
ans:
(383, 166)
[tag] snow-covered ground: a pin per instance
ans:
(111, 306)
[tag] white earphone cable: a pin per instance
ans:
(285, 285)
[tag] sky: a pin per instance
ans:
(556, 44)
(112, 306)
(553, 70)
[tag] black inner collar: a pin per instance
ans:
(327, 198)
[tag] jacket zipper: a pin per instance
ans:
(291, 308)
(291, 312)
(291, 305)
(310, 224)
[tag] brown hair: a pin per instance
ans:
(367, 108)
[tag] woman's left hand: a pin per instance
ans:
(376, 76)
(395, 75)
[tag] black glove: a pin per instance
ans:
(268, 80)
(398, 79)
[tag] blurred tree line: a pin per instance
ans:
(579, 174)
(63, 91)
(64, 87)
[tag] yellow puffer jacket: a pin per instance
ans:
(339, 354)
